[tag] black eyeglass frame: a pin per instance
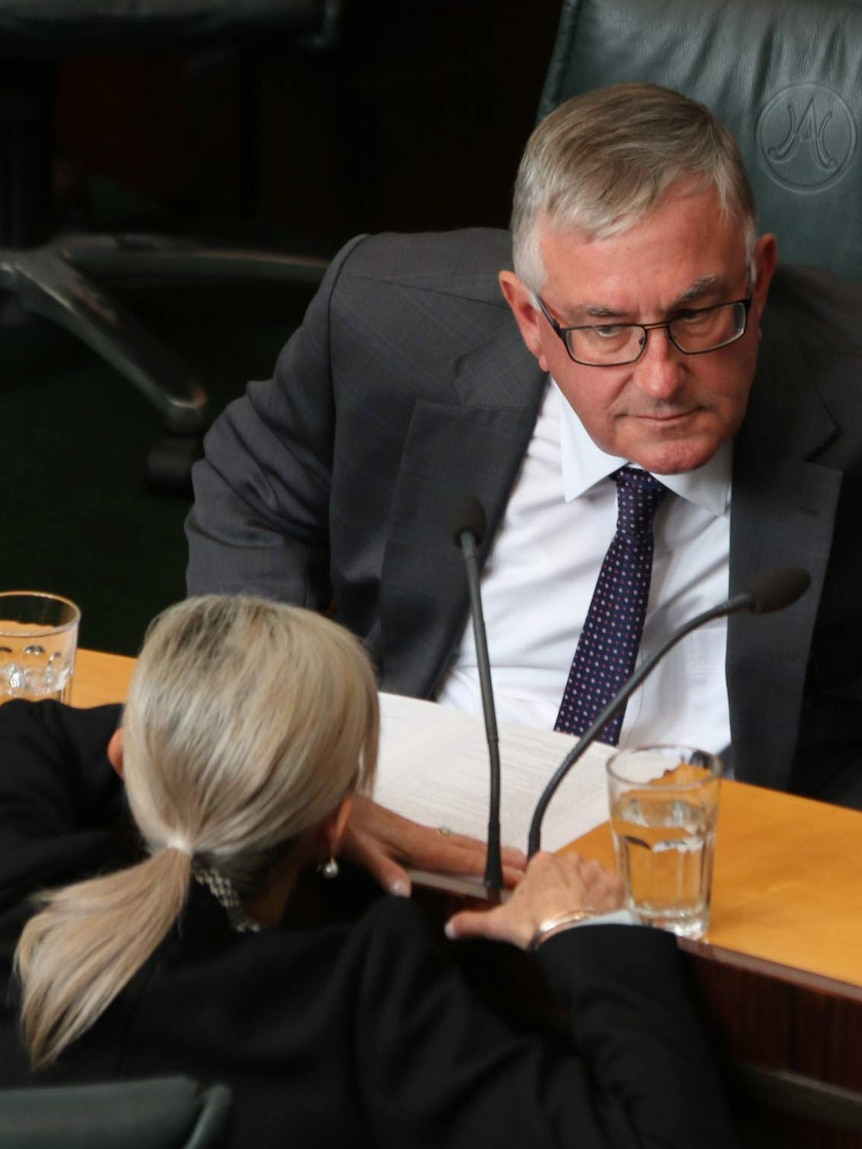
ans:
(646, 328)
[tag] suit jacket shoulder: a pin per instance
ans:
(809, 380)
(463, 263)
(407, 382)
(822, 310)
(797, 473)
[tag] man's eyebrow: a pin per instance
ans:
(585, 311)
(698, 289)
(596, 311)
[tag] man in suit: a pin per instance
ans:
(631, 328)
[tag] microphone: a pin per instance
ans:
(773, 590)
(467, 523)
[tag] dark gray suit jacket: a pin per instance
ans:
(408, 383)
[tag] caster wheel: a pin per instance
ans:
(169, 464)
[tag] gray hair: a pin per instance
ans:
(247, 723)
(603, 161)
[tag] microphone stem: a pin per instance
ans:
(494, 864)
(739, 602)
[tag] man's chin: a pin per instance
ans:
(674, 457)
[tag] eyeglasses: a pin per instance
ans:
(694, 331)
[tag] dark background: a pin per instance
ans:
(415, 121)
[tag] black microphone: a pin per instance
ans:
(467, 526)
(771, 591)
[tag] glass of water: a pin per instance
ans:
(664, 809)
(38, 640)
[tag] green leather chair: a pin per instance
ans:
(64, 279)
(784, 75)
(162, 1113)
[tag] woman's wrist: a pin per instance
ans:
(556, 924)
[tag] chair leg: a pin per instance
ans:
(44, 283)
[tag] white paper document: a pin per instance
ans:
(434, 769)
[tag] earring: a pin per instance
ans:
(329, 869)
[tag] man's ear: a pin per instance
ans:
(115, 750)
(528, 318)
(765, 259)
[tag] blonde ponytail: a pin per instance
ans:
(88, 942)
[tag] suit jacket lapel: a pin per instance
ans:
(782, 514)
(474, 444)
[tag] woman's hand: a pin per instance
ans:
(384, 843)
(553, 885)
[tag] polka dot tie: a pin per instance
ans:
(612, 633)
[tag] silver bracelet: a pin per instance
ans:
(551, 925)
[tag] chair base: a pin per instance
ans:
(54, 281)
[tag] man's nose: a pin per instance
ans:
(659, 371)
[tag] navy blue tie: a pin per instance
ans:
(611, 637)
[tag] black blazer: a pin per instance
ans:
(408, 382)
(360, 1034)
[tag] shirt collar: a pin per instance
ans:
(585, 464)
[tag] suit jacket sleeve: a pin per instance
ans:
(441, 1068)
(260, 522)
(59, 795)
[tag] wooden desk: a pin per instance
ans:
(100, 678)
(787, 888)
(780, 974)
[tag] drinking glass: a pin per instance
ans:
(38, 640)
(664, 809)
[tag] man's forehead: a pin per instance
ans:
(596, 222)
(701, 291)
(649, 263)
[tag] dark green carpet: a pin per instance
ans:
(78, 518)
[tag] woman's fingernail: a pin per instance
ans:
(400, 888)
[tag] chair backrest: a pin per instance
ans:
(162, 1113)
(57, 30)
(784, 75)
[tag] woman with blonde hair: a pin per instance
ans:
(153, 925)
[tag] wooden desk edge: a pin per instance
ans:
(706, 952)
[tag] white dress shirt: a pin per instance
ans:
(539, 580)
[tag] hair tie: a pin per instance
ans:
(179, 844)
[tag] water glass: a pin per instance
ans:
(664, 809)
(38, 640)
